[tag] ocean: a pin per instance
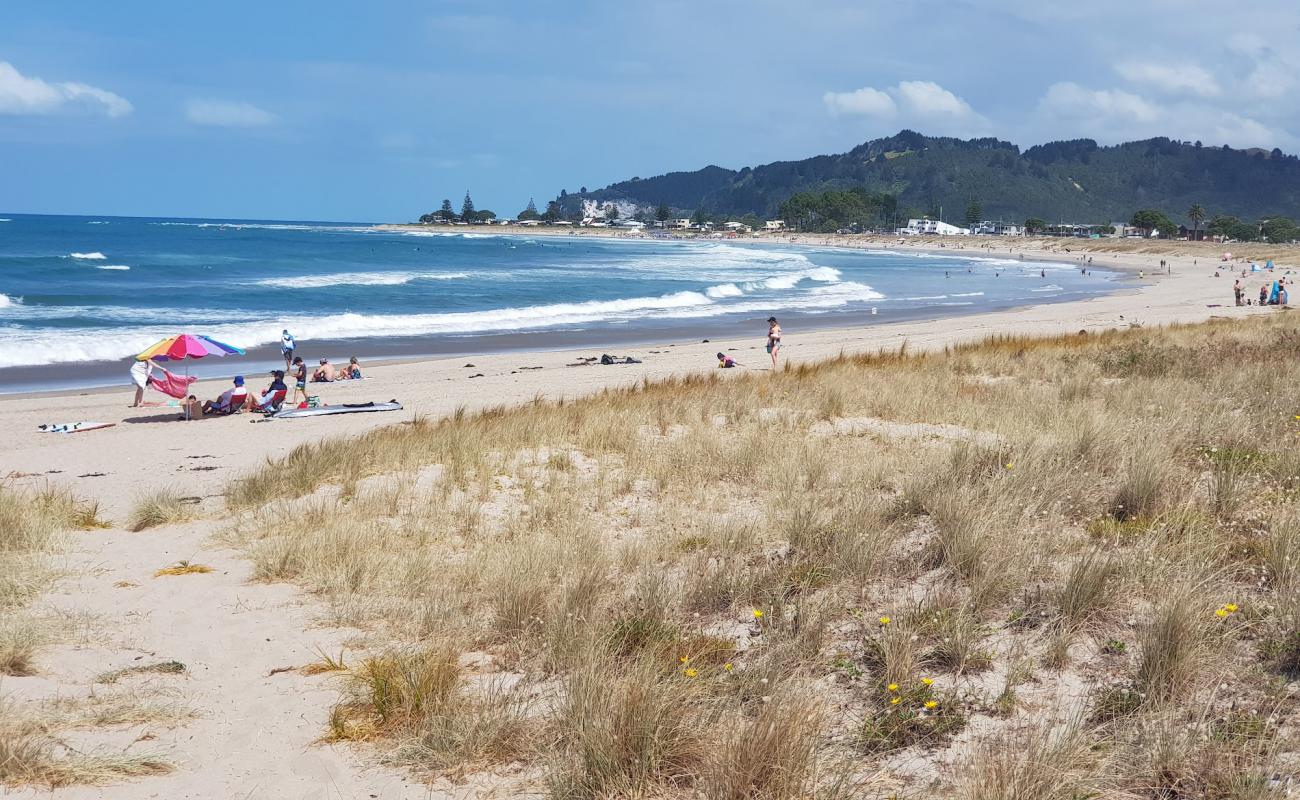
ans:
(81, 295)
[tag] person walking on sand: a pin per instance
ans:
(287, 345)
(142, 376)
(773, 339)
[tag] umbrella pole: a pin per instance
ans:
(186, 401)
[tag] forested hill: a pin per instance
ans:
(1074, 181)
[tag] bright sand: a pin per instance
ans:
(254, 734)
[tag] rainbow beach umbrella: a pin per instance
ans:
(187, 345)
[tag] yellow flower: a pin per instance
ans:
(1009, 466)
(1222, 612)
(758, 613)
(931, 703)
(1231, 608)
(895, 701)
(728, 667)
(691, 672)
(885, 620)
(893, 687)
(928, 681)
(685, 659)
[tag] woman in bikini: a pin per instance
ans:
(773, 338)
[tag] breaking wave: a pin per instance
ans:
(88, 256)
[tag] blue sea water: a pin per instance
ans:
(85, 289)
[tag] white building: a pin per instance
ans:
(736, 227)
(677, 224)
(774, 225)
(931, 227)
(988, 228)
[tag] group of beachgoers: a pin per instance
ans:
(1274, 295)
(238, 397)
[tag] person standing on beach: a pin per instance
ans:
(287, 346)
(773, 339)
(299, 380)
(141, 376)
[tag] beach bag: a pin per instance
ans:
(313, 401)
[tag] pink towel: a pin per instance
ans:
(171, 384)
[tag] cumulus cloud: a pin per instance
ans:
(1071, 100)
(21, 94)
(227, 114)
(866, 101)
(1176, 78)
(928, 98)
(1070, 110)
(923, 102)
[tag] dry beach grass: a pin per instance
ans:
(1060, 567)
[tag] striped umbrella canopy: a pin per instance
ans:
(186, 345)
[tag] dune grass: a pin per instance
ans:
(162, 507)
(666, 572)
(34, 752)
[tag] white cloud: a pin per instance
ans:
(1069, 110)
(1073, 101)
(20, 94)
(866, 101)
(924, 102)
(928, 98)
(1178, 78)
(227, 114)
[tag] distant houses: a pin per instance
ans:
(931, 227)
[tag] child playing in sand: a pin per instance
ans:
(725, 361)
(299, 380)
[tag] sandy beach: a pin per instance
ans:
(147, 446)
(255, 726)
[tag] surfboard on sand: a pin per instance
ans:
(346, 408)
(74, 427)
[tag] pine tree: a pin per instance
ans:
(974, 212)
(530, 212)
(445, 213)
(662, 213)
(467, 209)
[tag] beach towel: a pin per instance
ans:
(171, 384)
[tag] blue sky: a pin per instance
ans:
(377, 111)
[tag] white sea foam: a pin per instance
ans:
(88, 256)
(1051, 287)
(724, 290)
(358, 279)
(116, 267)
(10, 302)
(6, 220)
(98, 222)
(272, 226)
(29, 347)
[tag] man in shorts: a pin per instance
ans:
(286, 348)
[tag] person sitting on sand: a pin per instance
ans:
(773, 338)
(351, 372)
(230, 401)
(725, 361)
(191, 408)
(324, 373)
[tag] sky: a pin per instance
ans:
(378, 111)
